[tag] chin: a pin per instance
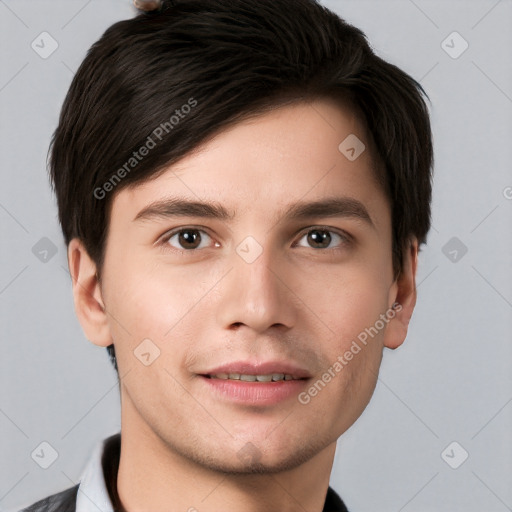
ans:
(256, 467)
(250, 460)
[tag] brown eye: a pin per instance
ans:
(321, 238)
(186, 238)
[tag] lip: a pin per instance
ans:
(257, 393)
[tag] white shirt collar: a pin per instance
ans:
(92, 493)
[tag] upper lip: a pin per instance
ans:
(261, 368)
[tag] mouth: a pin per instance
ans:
(256, 384)
(271, 377)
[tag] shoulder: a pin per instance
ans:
(64, 501)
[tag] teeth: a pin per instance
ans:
(248, 378)
(274, 377)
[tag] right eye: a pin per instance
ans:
(185, 239)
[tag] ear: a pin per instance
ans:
(403, 296)
(89, 305)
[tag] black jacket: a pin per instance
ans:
(64, 501)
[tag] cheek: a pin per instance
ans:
(345, 300)
(146, 298)
(160, 303)
(352, 348)
(350, 329)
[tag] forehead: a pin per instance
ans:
(294, 152)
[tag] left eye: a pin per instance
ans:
(320, 238)
(188, 238)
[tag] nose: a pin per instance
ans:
(258, 294)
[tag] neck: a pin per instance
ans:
(153, 477)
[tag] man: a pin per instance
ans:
(243, 188)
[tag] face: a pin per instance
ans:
(281, 274)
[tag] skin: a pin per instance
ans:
(206, 306)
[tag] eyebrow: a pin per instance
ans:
(302, 210)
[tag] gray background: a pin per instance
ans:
(450, 381)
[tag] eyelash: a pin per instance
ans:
(345, 238)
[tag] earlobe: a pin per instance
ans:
(89, 305)
(404, 299)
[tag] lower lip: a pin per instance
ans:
(256, 393)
